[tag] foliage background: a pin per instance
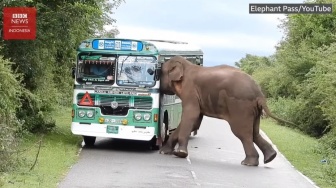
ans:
(299, 79)
(36, 74)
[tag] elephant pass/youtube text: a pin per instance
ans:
(258, 8)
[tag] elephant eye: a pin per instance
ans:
(171, 69)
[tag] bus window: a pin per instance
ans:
(96, 71)
(136, 70)
(197, 60)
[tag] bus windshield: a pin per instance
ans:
(136, 70)
(97, 71)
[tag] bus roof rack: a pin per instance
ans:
(170, 41)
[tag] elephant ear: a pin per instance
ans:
(176, 71)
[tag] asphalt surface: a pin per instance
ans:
(214, 161)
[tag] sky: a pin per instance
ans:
(224, 29)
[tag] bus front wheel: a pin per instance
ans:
(89, 140)
(164, 133)
(164, 128)
(164, 137)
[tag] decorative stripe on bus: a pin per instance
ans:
(151, 90)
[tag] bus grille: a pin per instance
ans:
(124, 103)
(143, 102)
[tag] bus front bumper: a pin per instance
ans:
(124, 132)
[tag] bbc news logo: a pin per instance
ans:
(20, 19)
(19, 16)
(19, 23)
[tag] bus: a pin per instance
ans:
(117, 89)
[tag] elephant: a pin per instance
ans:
(222, 92)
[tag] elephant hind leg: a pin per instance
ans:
(242, 128)
(265, 147)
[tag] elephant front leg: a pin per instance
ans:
(190, 118)
(168, 148)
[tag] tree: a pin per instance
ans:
(10, 91)
(298, 80)
(251, 62)
(45, 62)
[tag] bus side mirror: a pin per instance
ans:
(73, 72)
(157, 71)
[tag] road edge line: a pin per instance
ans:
(275, 147)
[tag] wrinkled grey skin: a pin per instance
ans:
(222, 92)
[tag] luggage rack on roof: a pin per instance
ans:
(170, 41)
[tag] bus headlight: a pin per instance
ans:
(137, 116)
(90, 113)
(81, 113)
(147, 117)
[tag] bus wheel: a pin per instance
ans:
(153, 145)
(89, 140)
(164, 137)
(164, 133)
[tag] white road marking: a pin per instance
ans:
(188, 159)
(192, 172)
(80, 149)
(269, 140)
(195, 177)
(83, 143)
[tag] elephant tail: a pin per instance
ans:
(263, 106)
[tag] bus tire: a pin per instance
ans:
(153, 145)
(163, 134)
(89, 140)
(164, 128)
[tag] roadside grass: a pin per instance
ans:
(59, 151)
(301, 151)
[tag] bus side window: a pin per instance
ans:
(199, 61)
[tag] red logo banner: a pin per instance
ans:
(19, 23)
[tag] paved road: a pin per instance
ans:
(214, 161)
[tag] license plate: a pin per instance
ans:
(112, 129)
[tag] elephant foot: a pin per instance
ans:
(166, 150)
(250, 161)
(181, 153)
(269, 156)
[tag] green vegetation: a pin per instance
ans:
(299, 81)
(302, 152)
(59, 149)
(35, 81)
(10, 90)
